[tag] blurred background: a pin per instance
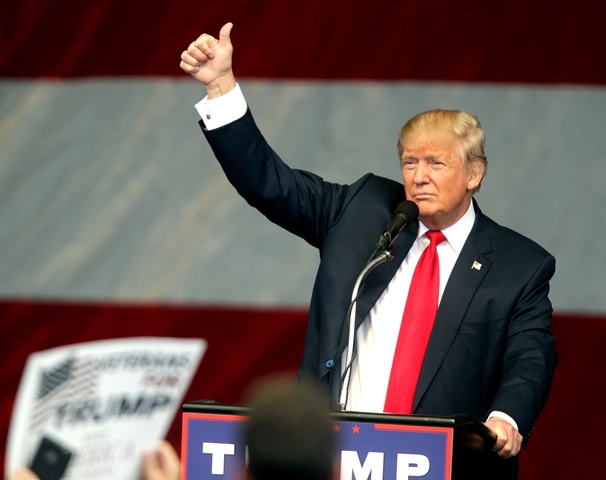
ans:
(116, 221)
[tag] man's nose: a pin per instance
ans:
(420, 175)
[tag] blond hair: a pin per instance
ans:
(464, 126)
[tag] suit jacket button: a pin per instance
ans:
(329, 363)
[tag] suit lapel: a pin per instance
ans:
(377, 281)
(467, 275)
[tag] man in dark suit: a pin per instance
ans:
(490, 352)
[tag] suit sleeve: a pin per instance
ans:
(529, 355)
(299, 201)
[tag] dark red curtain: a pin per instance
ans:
(516, 41)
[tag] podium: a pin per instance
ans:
(373, 446)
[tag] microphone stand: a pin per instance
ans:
(385, 256)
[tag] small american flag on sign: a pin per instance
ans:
(72, 379)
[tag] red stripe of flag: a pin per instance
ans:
(467, 40)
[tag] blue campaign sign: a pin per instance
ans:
(213, 448)
(395, 452)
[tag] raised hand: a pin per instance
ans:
(209, 60)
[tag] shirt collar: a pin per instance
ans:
(456, 234)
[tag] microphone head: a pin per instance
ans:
(409, 209)
(406, 213)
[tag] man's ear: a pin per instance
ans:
(475, 177)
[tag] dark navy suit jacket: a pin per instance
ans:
(491, 347)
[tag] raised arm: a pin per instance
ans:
(209, 60)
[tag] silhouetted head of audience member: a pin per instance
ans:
(289, 433)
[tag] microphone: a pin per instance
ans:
(406, 213)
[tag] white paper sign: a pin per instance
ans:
(107, 401)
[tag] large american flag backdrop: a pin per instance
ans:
(116, 221)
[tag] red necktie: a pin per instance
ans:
(417, 322)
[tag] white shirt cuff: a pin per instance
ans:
(222, 110)
(503, 416)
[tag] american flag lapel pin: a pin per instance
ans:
(476, 265)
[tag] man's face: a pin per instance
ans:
(436, 179)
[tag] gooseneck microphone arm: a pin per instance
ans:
(406, 213)
(385, 256)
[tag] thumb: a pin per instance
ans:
(224, 34)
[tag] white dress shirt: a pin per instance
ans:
(376, 338)
(222, 110)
